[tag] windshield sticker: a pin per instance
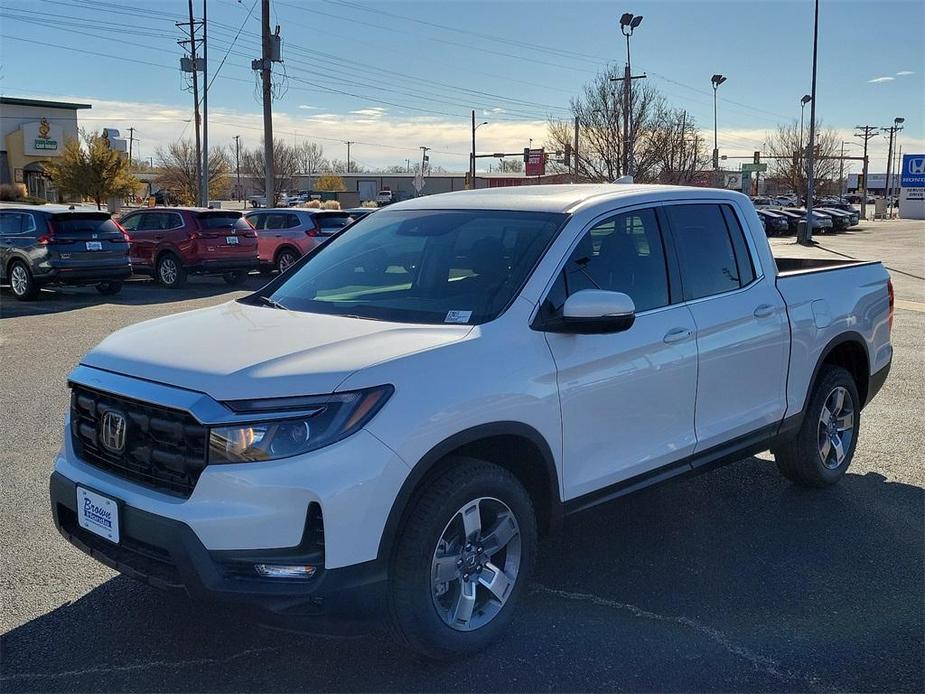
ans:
(458, 316)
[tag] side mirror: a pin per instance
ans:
(596, 311)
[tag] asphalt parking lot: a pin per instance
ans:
(731, 581)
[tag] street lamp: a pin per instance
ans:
(716, 80)
(805, 100)
(894, 133)
(472, 157)
(628, 23)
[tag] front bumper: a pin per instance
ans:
(167, 554)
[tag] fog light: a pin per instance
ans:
(285, 570)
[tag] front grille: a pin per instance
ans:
(164, 449)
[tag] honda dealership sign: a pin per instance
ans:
(912, 181)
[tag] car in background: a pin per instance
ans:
(821, 222)
(385, 197)
(840, 218)
(285, 234)
(786, 200)
(173, 243)
(775, 224)
(54, 244)
(761, 201)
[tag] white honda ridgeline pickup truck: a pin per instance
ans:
(399, 418)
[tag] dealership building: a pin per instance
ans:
(32, 135)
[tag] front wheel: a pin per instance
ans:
(822, 450)
(463, 560)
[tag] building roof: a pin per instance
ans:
(41, 103)
(555, 198)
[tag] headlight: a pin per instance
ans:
(320, 421)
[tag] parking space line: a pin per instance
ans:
(910, 305)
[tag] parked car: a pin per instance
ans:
(284, 235)
(841, 220)
(385, 197)
(774, 223)
(400, 420)
(762, 202)
(55, 244)
(821, 222)
(172, 243)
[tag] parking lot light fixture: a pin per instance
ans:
(716, 80)
(805, 100)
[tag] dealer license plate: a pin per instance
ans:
(97, 513)
(94, 245)
(231, 240)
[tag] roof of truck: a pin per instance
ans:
(551, 198)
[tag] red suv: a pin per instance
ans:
(171, 243)
(286, 234)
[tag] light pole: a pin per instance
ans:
(716, 80)
(807, 236)
(628, 23)
(472, 156)
(894, 133)
(348, 143)
(237, 165)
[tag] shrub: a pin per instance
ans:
(330, 205)
(312, 204)
(12, 191)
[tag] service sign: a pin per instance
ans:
(536, 162)
(913, 171)
(42, 139)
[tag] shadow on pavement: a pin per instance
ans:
(136, 292)
(735, 580)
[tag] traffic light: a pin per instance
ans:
(757, 158)
(526, 155)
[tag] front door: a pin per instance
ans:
(627, 398)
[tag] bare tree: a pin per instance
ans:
(675, 148)
(285, 166)
(788, 166)
(177, 171)
(311, 157)
(510, 166)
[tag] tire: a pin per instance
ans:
(170, 271)
(285, 260)
(812, 458)
(236, 278)
(423, 611)
(109, 288)
(21, 281)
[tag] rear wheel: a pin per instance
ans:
(285, 260)
(170, 272)
(21, 282)
(236, 278)
(109, 288)
(822, 450)
(463, 560)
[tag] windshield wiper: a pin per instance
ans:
(273, 303)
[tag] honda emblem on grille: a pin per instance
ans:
(112, 431)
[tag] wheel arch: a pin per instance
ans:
(515, 446)
(286, 247)
(164, 248)
(849, 351)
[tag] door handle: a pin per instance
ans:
(677, 335)
(764, 311)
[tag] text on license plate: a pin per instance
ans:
(231, 240)
(97, 513)
(94, 245)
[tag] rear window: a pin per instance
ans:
(333, 222)
(80, 225)
(230, 220)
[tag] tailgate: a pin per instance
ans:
(226, 234)
(86, 239)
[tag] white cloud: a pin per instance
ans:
(309, 108)
(903, 73)
(875, 80)
(373, 112)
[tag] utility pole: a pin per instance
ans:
(204, 180)
(893, 130)
(807, 236)
(472, 155)
(867, 132)
(407, 166)
(348, 143)
(131, 141)
(194, 69)
(424, 160)
(628, 23)
(237, 165)
(265, 72)
(575, 148)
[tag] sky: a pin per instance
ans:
(393, 76)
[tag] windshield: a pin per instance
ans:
(422, 266)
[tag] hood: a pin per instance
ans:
(235, 351)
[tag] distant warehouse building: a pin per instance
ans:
(32, 134)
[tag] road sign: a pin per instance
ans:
(913, 171)
(760, 168)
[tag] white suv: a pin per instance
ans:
(395, 420)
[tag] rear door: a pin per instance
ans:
(141, 228)
(17, 231)
(743, 336)
(86, 239)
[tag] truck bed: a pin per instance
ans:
(796, 266)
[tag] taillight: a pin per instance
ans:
(128, 239)
(889, 288)
(313, 232)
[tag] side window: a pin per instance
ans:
(171, 220)
(148, 221)
(277, 221)
(130, 223)
(705, 250)
(256, 220)
(292, 221)
(622, 254)
(739, 245)
(10, 223)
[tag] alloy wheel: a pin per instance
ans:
(286, 261)
(168, 271)
(19, 280)
(836, 428)
(476, 563)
